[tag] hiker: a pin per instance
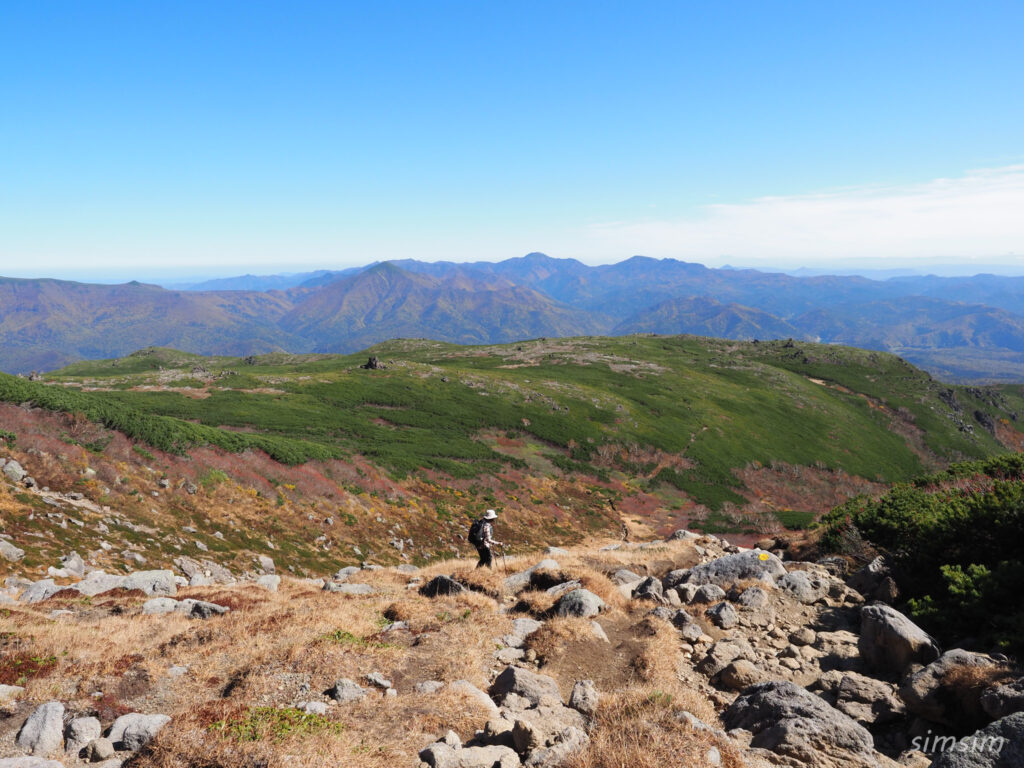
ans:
(481, 536)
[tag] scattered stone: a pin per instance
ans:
(43, 731)
(346, 691)
(14, 471)
(683, 535)
(708, 593)
(567, 742)
(624, 576)
(159, 605)
(9, 693)
(39, 591)
(556, 551)
(97, 582)
(377, 680)
(740, 674)
(998, 701)
(266, 563)
(584, 697)
(312, 707)
(200, 609)
(673, 579)
(428, 686)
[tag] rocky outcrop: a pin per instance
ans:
(741, 566)
(947, 690)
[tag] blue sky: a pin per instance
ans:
(144, 139)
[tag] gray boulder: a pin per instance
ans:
(441, 585)
(997, 745)
(794, 723)
(935, 694)
(584, 697)
(723, 615)
(623, 576)
(890, 642)
(39, 591)
(517, 582)
(159, 605)
(708, 593)
(14, 471)
(530, 685)
(135, 730)
(79, 732)
(43, 732)
(345, 691)
(579, 602)
(566, 743)
(740, 674)
(683, 535)
(803, 587)
(495, 756)
(269, 582)
(720, 654)
(440, 755)
(98, 750)
(346, 588)
(649, 589)
(998, 701)
(265, 563)
(29, 762)
(10, 552)
(865, 699)
(200, 609)
(673, 579)
(152, 582)
(741, 566)
(97, 582)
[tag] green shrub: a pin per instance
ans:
(273, 724)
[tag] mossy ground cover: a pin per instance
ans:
(721, 405)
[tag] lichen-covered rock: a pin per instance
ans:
(135, 730)
(530, 685)
(584, 697)
(803, 587)
(741, 566)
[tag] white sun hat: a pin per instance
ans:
(491, 515)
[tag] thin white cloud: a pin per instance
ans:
(978, 216)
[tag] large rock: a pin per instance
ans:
(794, 723)
(803, 587)
(584, 697)
(946, 691)
(43, 732)
(890, 642)
(579, 602)
(649, 589)
(997, 745)
(98, 581)
(566, 743)
(441, 585)
(740, 674)
(79, 732)
(517, 582)
(152, 582)
(345, 691)
(495, 756)
(200, 609)
(723, 615)
(14, 471)
(530, 685)
(135, 730)
(624, 576)
(346, 588)
(10, 552)
(742, 566)
(998, 701)
(722, 653)
(39, 591)
(865, 699)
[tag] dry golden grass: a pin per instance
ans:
(639, 728)
(556, 633)
(970, 681)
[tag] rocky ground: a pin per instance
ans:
(682, 651)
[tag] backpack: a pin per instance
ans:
(476, 532)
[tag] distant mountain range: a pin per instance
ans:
(962, 328)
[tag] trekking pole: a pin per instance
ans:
(504, 560)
